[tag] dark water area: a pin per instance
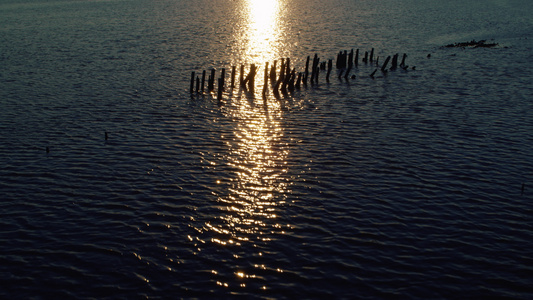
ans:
(413, 184)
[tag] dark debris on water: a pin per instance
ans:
(472, 44)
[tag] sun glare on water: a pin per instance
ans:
(263, 30)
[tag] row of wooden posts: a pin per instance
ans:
(288, 79)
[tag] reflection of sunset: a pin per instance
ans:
(257, 157)
(263, 22)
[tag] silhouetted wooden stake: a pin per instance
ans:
(197, 84)
(316, 69)
(347, 72)
(372, 74)
(372, 55)
(402, 64)
(292, 78)
(105, 136)
(330, 66)
(250, 78)
(48, 148)
(220, 88)
(191, 90)
(233, 70)
(350, 60)
(287, 67)
(365, 59)
(306, 70)
(241, 76)
(223, 77)
(273, 73)
(211, 85)
(356, 60)
(299, 80)
(265, 85)
(203, 80)
(281, 72)
(384, 67)
(394, 62)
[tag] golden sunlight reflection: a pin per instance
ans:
(252, 187)
(263, 31)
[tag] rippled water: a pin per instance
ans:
(414, 184)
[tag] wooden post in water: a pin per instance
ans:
(192, 83)
(220, 88)
(299, 80)
(394, 62)
(402, 64)
(241, 76)
(233, 69)
(211, 85)
(291, 80)
(384, 67)
(330, 66)
(197, 84)
(265, 85)
(273, 73)
(365, 59)
(306, 75)
(223, 77)
(372, 55)
(203, 80)
(356, 60)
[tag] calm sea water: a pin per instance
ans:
(414, 184)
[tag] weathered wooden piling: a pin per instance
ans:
(281, 72)
(306, 70)
(298, 80)
(372, 74)
(315, 70)
(250, 79)
(288, 67)
(192, 83)
(384, 67)
(394, 63)
(265, 85)
(197, 84)
(273, 73)
(203, 80)
(241, 76)
(330, 66)
(365, 59)
(372, 55)
(402, 64)
(48, 148)
(220, 88)
(233, 70)
(223, 77)
(347, 73)
(292, 77)
(350, 60)
(356, 60)
(211, 85)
